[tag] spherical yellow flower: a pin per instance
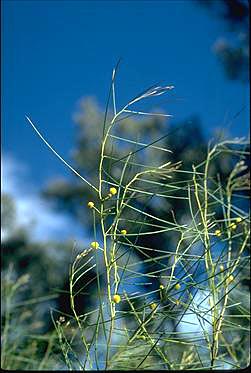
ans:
(238, 220)
(116, 298)
(221, 268)
(124, 232)
(217, 233)
(113, 191)
(90, 205)
(153, 306)
(162, 287)
(230, 279)
(177, 302)
(233, 226)
(95, 245)
(177, 286)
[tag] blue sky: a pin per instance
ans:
(55, 52)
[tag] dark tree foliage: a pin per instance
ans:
(232, 51)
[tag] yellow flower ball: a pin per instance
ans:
(113, 191)
(90, 205)
(230, 279)
(238, 220)
(177, 302)
(233, 226)
(124, 232)
(95, 245)
(177, 286)
(221, 268)
(153, 306)
(162, 287)
(116, 298)
(217, 233)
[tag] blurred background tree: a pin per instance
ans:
(232, 50)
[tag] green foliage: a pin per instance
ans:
(169, 239)
(138, 355)
(23, 347)
(140, 193)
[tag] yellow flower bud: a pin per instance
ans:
(95, 245)
(217, 233)
(90, 205)
(177, 302)
(116, 298)
(162, 287)
(238, 220)
(177, 286)
(230, 279)
(153, 306)
(221, 268)
(113, 191)
(233, 226)
(124, 231)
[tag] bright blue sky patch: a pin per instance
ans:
(55, 52)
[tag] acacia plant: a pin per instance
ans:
(157, 308)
